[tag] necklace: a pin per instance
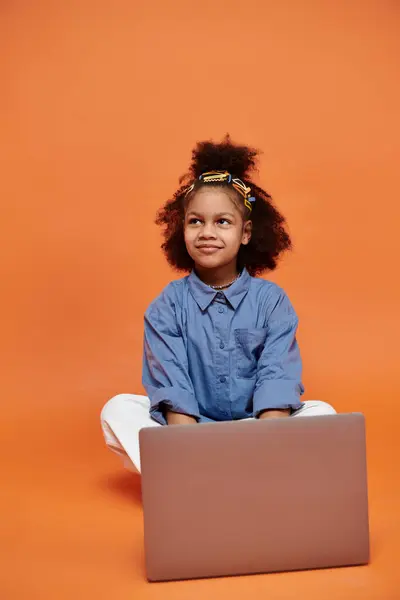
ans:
(222, 287)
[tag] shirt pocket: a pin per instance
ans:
(249, 344)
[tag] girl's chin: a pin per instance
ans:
(209, 263)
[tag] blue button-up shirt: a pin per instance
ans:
(221, 355)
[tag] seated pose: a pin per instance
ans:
(220, 343)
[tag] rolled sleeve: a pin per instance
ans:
(279, 369)
(178, 401)
(165, 363)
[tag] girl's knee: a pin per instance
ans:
(318, 407)
(114, 407)
(327, 408)
(122, 406)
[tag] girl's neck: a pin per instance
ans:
(220, 276)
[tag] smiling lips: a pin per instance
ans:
(208, 248)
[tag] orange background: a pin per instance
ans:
(101, 104)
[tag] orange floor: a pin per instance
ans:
(73, 520)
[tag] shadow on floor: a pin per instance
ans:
(124, 484)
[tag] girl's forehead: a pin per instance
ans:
(212, 200)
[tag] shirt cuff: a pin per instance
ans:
(178, 401)
(277, 394)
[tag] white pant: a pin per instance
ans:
(126, 414)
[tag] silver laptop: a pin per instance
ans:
(253, 496)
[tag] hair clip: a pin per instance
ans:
(215, 176)
(244, 191)
(248, 202)
(225, 177)
(190, 189)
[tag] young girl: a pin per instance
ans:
(219, 344)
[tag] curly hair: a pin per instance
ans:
(269, 238)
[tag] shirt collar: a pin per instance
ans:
(204, 294)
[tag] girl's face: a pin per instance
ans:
(214, 230)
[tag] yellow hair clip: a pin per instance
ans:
(215, 176)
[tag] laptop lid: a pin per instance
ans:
(254, 496)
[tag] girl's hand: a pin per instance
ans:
(269, 414)
(178, 419)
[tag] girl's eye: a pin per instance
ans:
(196, 221)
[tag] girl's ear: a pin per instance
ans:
(246, 237)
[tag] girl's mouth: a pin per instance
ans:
(208, 249)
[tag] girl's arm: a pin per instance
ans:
(165, 365)
(278, 383)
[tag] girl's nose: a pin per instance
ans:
(208, 231)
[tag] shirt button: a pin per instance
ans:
(222, 345)
(220, 310)
(222, 379)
